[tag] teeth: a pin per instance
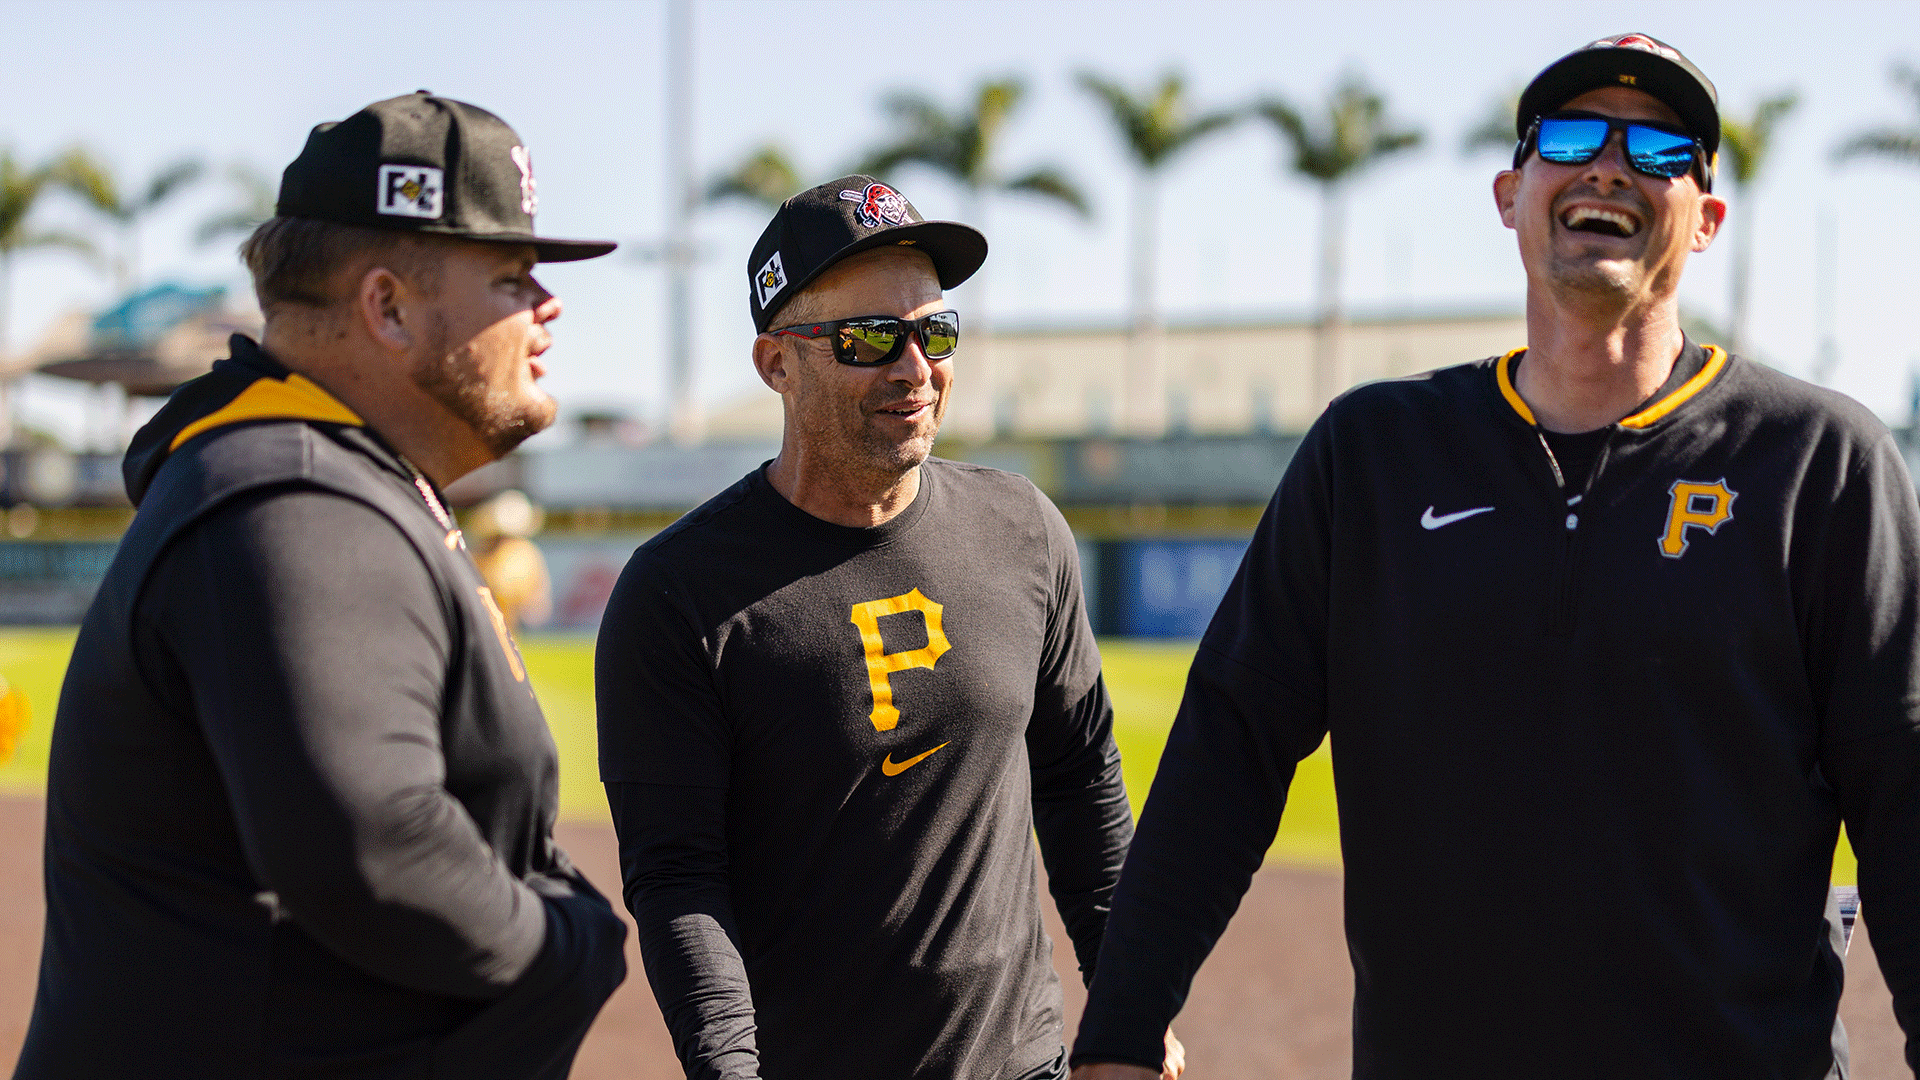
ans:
(1579, 215)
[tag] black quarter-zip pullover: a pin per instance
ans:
(1592, 760)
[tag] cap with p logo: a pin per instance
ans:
(821, 226)
(424, 164)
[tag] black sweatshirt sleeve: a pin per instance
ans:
(1081, 816)
(1080, 810)
(1254, 706)
(1863, 640)
(649, 670)
(313, 644)
(673, 859)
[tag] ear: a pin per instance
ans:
(1713, 214)
(775, 363)
(1506, 192)
(383, 303)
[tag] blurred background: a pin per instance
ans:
(1206, 218)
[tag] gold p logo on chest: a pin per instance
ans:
(1694, 504)
(881, 663)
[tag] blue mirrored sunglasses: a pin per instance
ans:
(1652, 149)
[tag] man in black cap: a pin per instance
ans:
(301, 797)
(838, 700)
(1611, 633)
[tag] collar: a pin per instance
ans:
(1648, 414)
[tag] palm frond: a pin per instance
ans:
(1886, 143)
(766, 176)
(1353, 133)
(1900, 144)
(1745, 141)
(169, 180)
(1156, 126)
(1050, 183)
(77, 170)
(1495, 128)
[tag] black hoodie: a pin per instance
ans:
(301, 797)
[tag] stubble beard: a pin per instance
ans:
(499, 419)
(1594, 279)
(863, 451)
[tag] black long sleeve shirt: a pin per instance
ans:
(1593, 745)
(827, 751)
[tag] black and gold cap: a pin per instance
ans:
(1638, 62)
(427, 164)
(817, 228)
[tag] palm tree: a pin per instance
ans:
(961, 144)
(1331, 150)
(20, 188)
(1156, 127)
(89, 178)
(1900, 144)
(254, 206)
(766, 177)
(1745, 143)
(1494, 129)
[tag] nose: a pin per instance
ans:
(912, 368)
(1611, 167)
(547, 308)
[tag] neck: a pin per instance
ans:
(381, 389)
(1586, 368)
(837, 493)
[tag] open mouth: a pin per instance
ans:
(906, 410)
(1593, 219)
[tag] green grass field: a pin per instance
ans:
(1145, 679)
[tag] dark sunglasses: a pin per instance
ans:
(874, 340)
(1652, 149)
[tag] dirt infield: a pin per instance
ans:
(1272, 1002)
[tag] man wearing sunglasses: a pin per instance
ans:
(1610, 633)
(837, 702)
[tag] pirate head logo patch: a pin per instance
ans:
(770, 279)
(1638, 41)
(879, 206)
(410, 191)
(529, 191)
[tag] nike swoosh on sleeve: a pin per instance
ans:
(887, 766)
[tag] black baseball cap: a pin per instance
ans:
(1638, 62)
(817, 228)
(427, 164)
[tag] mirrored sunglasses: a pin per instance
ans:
(1578, 138)
(874, 340)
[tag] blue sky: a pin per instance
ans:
(582, 81)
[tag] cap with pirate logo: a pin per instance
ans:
(816, 229)
(424, 164)
(1637, 62)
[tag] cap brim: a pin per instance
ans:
(546, 249)
(571, 250)
(957, 252)
(1655, 75)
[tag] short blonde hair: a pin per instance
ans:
(294, 260)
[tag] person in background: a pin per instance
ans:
(500, 531)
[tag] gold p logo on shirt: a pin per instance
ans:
(1693, 504)
(881, 663)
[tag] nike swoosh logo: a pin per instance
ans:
(1428, 521)
(887, 766)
